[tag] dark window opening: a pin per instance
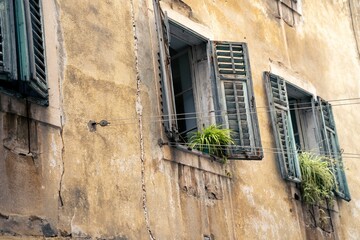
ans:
(183, 91)
(183, 67)
(302, 119)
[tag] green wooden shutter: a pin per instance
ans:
(282, 128)
(167, 92)
(8, 72)
(237, 104)
(31, 50)
(33, 58)
(37, 62)
(330, 147)
(22, 40)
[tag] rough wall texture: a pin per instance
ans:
(117, 182)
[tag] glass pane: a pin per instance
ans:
(184, 97)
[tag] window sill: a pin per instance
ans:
(195, 159)
(48, 115)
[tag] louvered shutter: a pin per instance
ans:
(31, 50)
(330, 147)
(8, 72)
(167, 100)
(281, 122)
(236, 103)
(37, 63)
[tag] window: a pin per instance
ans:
(205, 82)
(290, 11)
(22, 52)
(301, 122)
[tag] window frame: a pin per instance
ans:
(322, 127)
(167, 98)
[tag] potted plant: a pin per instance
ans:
(212, 140)
(318, 181)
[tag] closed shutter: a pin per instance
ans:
(7, 47)
(330, 147)
(37, 64)
(236, 104)
(281, 122)
(166, 98)
(31, 50)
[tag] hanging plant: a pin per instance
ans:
(318, 181)
(213, 140)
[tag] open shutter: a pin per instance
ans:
(330, 147)
(8, 71)
(282, 127)
(167, 100)
(237, 103)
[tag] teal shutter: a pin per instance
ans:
(166, 98)
(22, 50)
(22, 40)
(31, 50)
(8, 72)
(330, 147)
(281, 122)
(236, 99)
(37, 63)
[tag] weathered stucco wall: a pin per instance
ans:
(117, 182)
(102, 178)
(31, 151)
(320, 51)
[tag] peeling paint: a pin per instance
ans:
(248, 191)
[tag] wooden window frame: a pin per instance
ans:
(167, 98)
(325, 134)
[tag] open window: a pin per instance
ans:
(205, 82)
(22, 50)
(302, 123)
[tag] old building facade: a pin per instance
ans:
(97, 98)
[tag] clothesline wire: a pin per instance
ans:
(276, 150)
(202, 114)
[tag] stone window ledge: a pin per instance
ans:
(195, 159)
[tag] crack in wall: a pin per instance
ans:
(139, 112)
(62, 168)
(61, 71)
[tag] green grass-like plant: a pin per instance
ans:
(318, 181)
(212, 140)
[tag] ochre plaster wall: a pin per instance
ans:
(320, 51)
